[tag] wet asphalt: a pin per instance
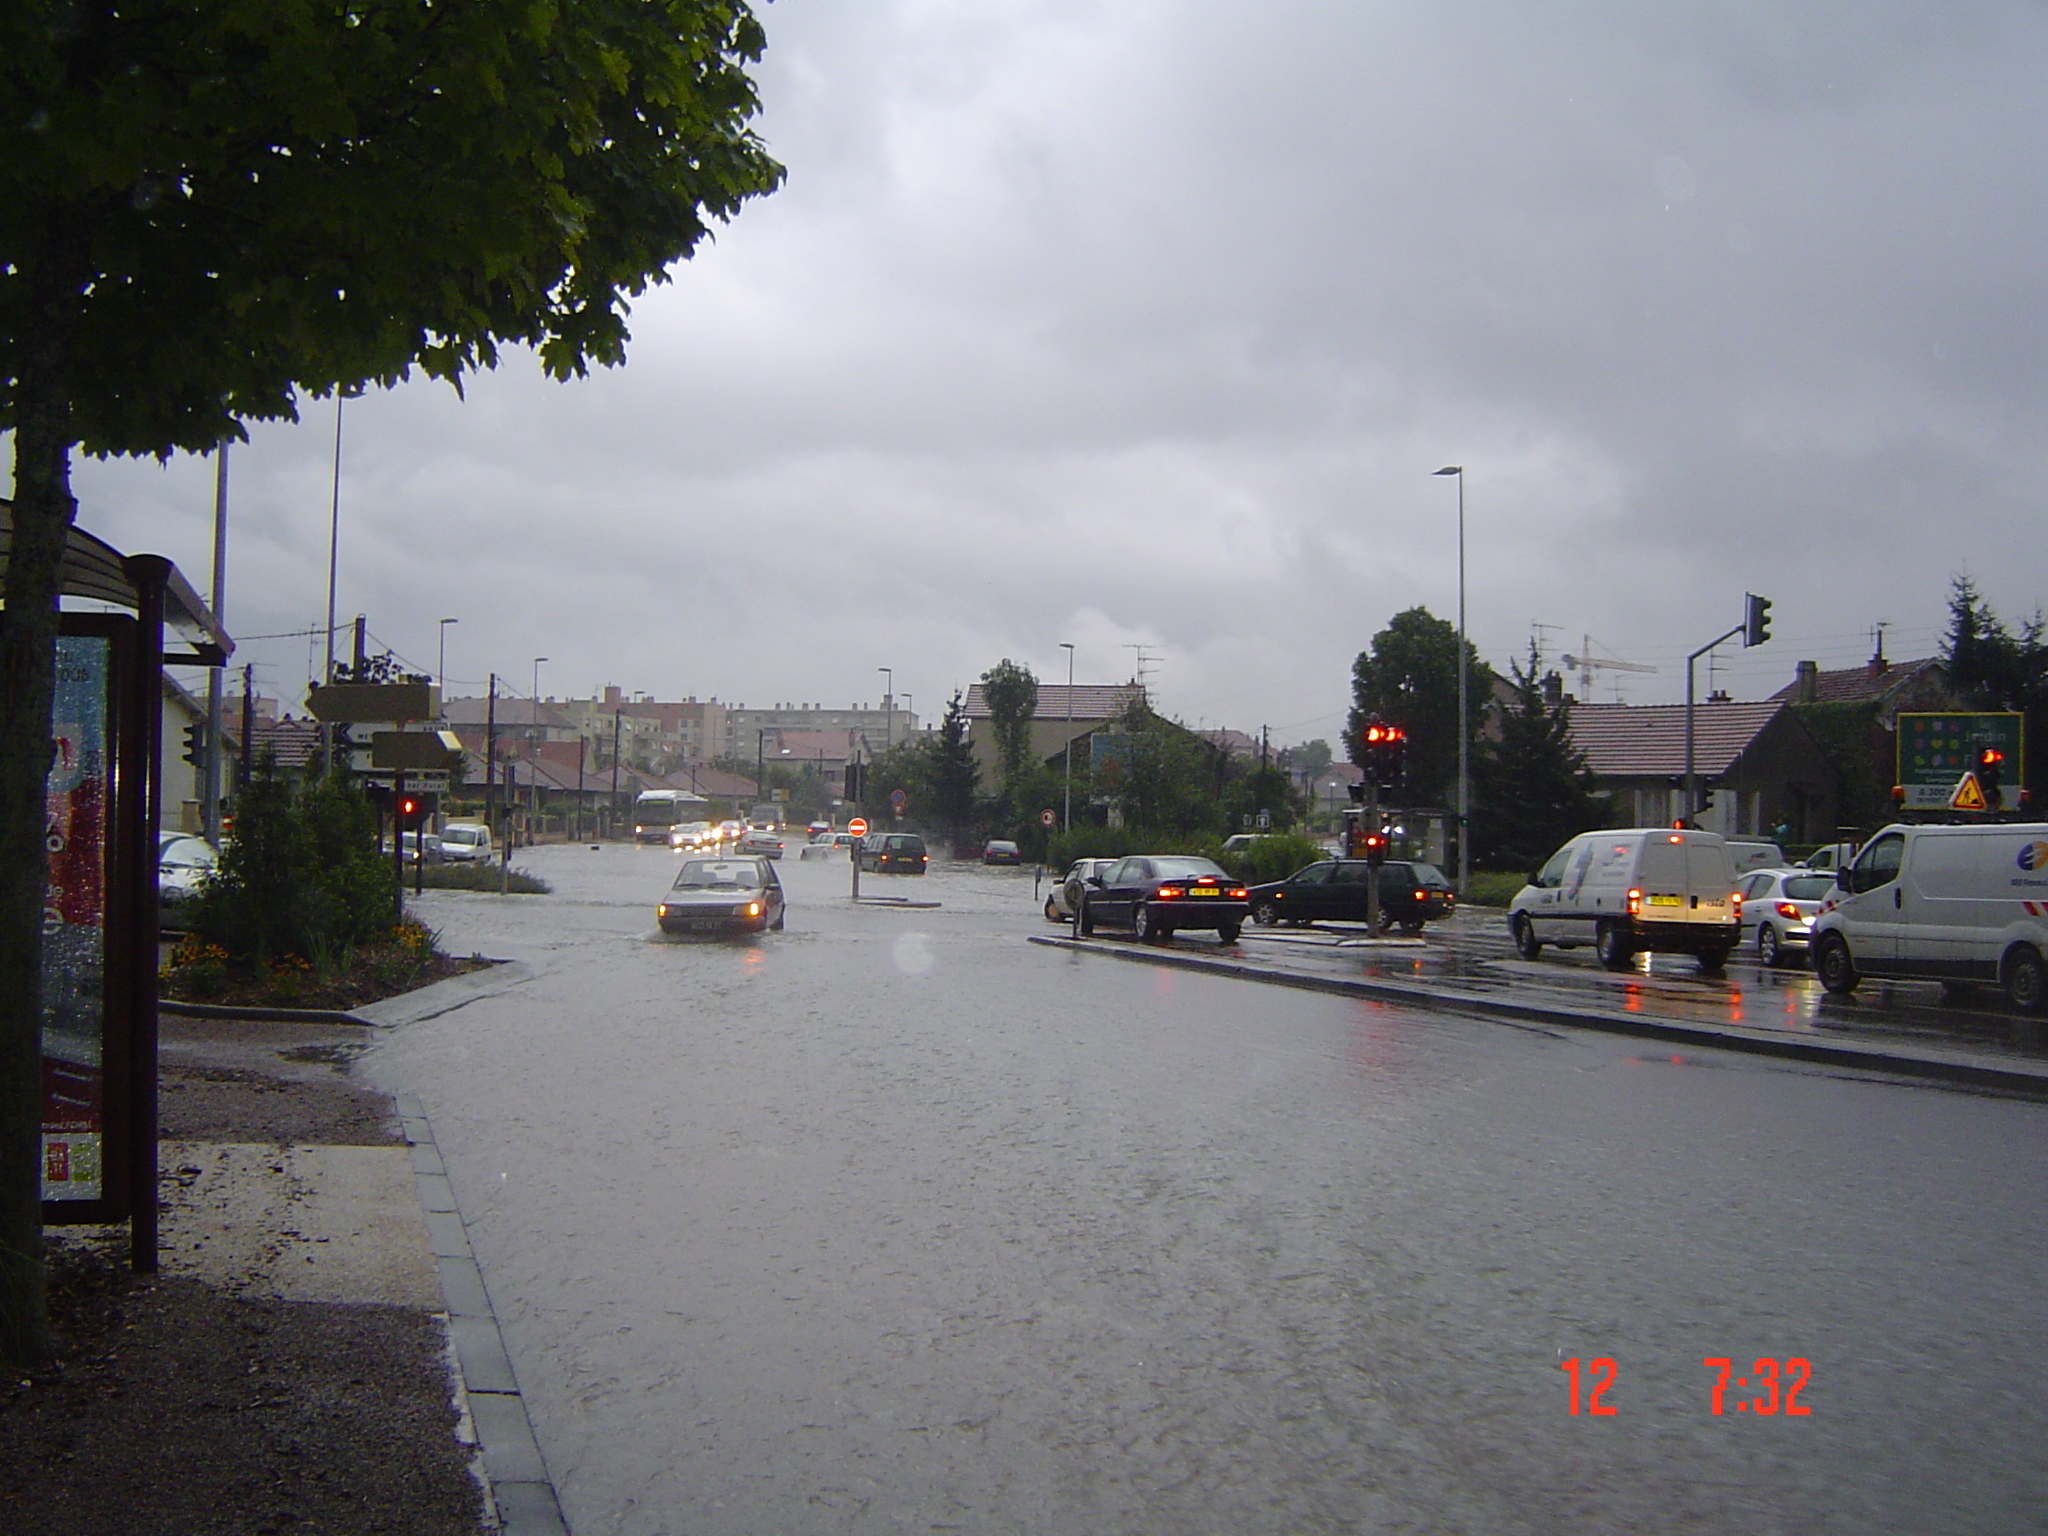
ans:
(893, 1221)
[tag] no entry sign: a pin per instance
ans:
(858, 826)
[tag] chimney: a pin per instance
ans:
(612, 697)
(1718, 696)
(1553, 689)
(1809, 683)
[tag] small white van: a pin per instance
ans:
(1949, 904)
(465, 842)
(1627, 891)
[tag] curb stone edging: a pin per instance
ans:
(1945, 1066)
(515, 1478)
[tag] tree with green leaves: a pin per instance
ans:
(1991, 668)
(209, 208)
(955, 776)
(1410, 678)
(1012, 695)
(1532, 789)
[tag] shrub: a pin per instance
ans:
(479, 877)
(300, 875)
(1270, 858)
(1492, 888)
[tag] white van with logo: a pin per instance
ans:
(1628, 891)
(1948, 904)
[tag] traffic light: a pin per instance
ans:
(853, 781)
(1385, 747)
(1376, 848)
(1756, 619)
(1990, 766)
(412, 812)
(195, 743)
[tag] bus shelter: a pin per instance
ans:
(103, 802)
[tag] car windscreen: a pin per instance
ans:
(709, 874)
(1809, 887)
(189, 853)
(1185, 869)
(467, 837)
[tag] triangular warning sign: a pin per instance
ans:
(1969, 795)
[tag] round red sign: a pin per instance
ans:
(858, 826)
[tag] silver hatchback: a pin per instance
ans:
(1778, 907)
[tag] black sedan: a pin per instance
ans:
(1335, 890)
(1155, 894)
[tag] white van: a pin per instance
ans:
(1948, 904)
(1665, 889)
(465, 842)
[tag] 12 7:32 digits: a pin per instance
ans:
(1601, 1372)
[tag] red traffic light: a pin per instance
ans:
(1990, 757)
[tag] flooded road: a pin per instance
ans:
(893, 1221)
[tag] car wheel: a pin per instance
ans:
(1052, 912)
(777, 924)
(1714, 959)
(1831, 962)
(1265, 912)
(1527, 945)
(1613, 946)
(1084, 925)
(2026, 979)
(1768, 948)
(1412, 927)
(1146, 928)
(1228, 932)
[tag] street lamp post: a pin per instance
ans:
(889, 706)
(1067, 757)
(1464, 713)
(441, 672)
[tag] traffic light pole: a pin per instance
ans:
(398, 846)
(1372, 870)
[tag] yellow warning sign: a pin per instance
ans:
(1968, 796)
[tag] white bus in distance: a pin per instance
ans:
(657, 810)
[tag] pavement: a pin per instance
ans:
(370, 1224)
(1467, 966)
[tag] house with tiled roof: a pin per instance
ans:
(1853, 714)
(1757, 765)
(1064, 714)
(1890, 685)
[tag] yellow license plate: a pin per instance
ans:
(1665, 901)
(1205, 893)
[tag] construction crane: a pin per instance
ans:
(1587, 663)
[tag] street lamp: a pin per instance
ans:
(441, 672)
(889, 705)
(1464, 715)
(535, 717)
(1067, 757)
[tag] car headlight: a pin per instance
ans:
(662, 910)
(751, 909)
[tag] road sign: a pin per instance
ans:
(1047, 818)
(1935, 750)
(1969, 795)
(896, 798)
(858, 826)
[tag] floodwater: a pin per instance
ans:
(893, 1221)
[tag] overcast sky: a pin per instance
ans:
(1145, 322)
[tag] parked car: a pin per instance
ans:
(1155, 895)
(1061, 905)
(420, 847)
(827, 845)
(763, 841)
(182, 864)
(1631, 890)
(1954, 904)
(722, 895)
(1778, 907)
(1001, 850)
(894, 853)
(1336, 890)
(465, 842)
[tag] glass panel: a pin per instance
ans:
(76, 805)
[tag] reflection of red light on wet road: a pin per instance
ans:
(1632, 999)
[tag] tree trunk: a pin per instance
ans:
(43, 514)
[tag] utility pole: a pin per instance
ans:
(615, 766)
(491, 757)
(209, 792)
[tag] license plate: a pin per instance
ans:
(1666, 901)
(1205, 893)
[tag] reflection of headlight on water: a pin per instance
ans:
(912, 953)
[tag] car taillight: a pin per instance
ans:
(1168, 892)
(1735, 904)
(1786, 909)
(1239, 893)
(1635, 903)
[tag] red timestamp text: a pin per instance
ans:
(1778, 1387)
